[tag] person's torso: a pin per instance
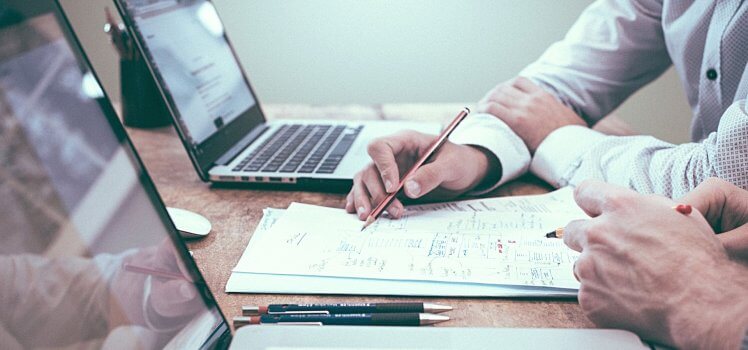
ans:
(708, 44)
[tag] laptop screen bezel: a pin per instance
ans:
(204, 155)
(29, 9)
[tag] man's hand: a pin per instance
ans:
(172, 299)
(725, 206)
(529, 110)
(453, 170)
(662, 274)
(163, 303)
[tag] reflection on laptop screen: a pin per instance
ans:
(86, 258)
(187, 46)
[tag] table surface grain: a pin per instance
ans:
(235, 213)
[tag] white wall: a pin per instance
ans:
(384, 51)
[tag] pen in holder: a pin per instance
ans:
(142, 105)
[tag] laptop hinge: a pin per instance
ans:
(229, 156)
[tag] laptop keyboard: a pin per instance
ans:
(302, 149)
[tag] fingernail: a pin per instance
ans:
(360, 211)
(388, 186)
(413, 188)
(185, 289)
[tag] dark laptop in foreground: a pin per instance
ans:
(90, 258)
(218, 116)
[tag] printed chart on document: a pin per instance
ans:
(495, 241)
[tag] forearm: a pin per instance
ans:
(507, 157)
(613, 49)
(572, 154)
(642, 163)
(492, 171)
(45, 293)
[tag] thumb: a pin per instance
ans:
(173, 298)
(425, 179)
(736, 243)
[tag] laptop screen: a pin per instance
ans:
(186, 48)
(88, 256)
(185, 39)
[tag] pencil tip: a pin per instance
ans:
(368, 222)
(558, 233)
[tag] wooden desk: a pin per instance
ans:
(235, 213)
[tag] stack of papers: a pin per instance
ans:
(485, 247)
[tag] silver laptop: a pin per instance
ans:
(409, 338)
(218, 116)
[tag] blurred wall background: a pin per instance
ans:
(388, 51)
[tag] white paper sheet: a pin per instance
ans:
(269, 217)
(494, 241)
(241, 282)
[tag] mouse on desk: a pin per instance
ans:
(190, 225)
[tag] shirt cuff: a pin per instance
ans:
(561, 153)
(491, 133)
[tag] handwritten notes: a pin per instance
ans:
(559, 201)
(269, 217)
(492, 241)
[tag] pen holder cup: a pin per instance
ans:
(142, 104)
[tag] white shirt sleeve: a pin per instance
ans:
(572, 154)
(613, 49)
(489, 132)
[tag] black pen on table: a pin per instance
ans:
(384, 319)
(345, 308)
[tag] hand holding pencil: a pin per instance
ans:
(454, 170)
(684, 209)
(154, 276)
(429, 153)
(648, 262)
